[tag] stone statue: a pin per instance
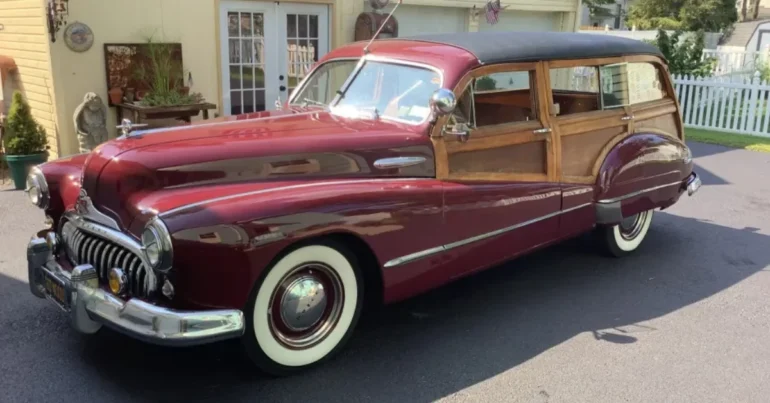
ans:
(91, 122)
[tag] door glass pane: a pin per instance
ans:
(291, 26)
(259, 104)
(248, 77)
(235, 50)
(302, 26)
(314, 26)
(235, 77)
(235, 102)
(248, 101)
(232, 24)
(247, 52)
(246, 25)
(259, 25)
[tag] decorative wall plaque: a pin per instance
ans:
(78, 37)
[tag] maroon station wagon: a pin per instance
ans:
(392, 169)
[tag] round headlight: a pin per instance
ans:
(151, 245)
(37, 188)
(156, 243)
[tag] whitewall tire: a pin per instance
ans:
(304, 308)
(624, 238)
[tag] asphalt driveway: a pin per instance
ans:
(684, 319)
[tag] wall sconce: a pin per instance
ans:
(57, 12)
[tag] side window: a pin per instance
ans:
(502, 98)
(645, 83)
(575, 90)
(630, 83)
(614, 86)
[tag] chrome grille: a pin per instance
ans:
(85, 248)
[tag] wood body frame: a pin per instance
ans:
(489, 137)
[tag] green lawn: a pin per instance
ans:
(754, 143)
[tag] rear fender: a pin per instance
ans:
(643, 171)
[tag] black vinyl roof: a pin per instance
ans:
(508, 47)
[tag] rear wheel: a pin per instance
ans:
(304, 309)
(624, 238)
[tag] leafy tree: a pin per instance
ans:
(687, 15)
(23, 135)
(684, 57)
(596, 10)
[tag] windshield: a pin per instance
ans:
(322, 86)
(392, 90)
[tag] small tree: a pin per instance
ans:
(23, 135)
(685, 57)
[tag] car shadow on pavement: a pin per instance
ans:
(461, 334)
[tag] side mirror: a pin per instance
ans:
(443, 102)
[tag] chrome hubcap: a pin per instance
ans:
(306, 305)
(303, 304)
(632, 226)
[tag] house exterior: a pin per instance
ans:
(221, 41)
(614, 18)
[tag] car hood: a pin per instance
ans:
(228, 154)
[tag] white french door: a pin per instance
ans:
(267, 48)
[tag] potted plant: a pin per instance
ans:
(163, 77)
(25, 141)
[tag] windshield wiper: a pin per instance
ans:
(311, 101)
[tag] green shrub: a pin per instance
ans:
(23, 135)
(684, 57)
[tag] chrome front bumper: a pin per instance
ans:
(90, 307)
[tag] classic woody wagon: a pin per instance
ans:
(391, 170)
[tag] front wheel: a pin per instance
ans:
(624, 238)
(304, 309)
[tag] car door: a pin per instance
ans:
(496, 157)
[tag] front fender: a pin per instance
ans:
(643, 171)
(222, 246)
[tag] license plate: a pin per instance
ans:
(55, 289)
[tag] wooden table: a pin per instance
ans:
(183, 112)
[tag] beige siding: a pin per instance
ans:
(25, 39)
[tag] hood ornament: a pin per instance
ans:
(126, 127)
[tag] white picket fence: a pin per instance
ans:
(737, 62)
(725, 104)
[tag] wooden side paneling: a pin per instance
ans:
(25, 39)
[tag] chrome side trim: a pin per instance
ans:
(443, 248)
(637, 193)
(271, 190)
(398, 162)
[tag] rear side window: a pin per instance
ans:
(629, 84)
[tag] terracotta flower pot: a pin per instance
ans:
(116, 95)
(185, 90)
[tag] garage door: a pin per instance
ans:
(415, 20)
(522, 21)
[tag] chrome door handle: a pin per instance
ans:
(627, 117)
(542, 131)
